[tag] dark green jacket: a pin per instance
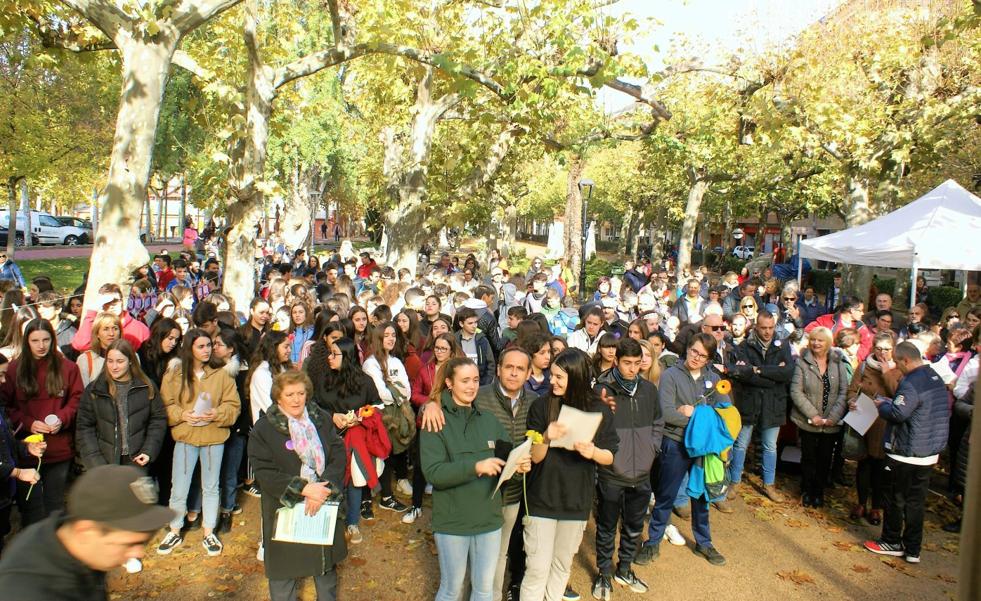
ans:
(462, 503)
(491, 399)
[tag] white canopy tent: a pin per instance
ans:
(939, 230)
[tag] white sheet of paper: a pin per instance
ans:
(514, 457)
(202, 405)
(863, 416)
(580, 427)
(295, 526)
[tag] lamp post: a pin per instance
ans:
(583, 184)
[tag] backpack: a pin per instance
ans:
(399, 420)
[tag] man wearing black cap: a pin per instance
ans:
(111, 515)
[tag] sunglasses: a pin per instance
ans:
(747, 306)
(790, 298)
(716, 328)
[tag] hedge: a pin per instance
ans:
(941, 297)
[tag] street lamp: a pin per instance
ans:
(583, 184)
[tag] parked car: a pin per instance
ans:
(51, 231)
(18, 238)
(744, 252)
(85, 224)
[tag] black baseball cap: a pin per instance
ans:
(121, 497)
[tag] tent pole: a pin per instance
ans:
(800, 268)
(912, 285)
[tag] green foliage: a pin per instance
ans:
(822, 279)
(941, 297)
(886, 285)
(597, 268)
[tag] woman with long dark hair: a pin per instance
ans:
(157, 355)
(343, 390)
(360, 330)
(227, 348)
(41, 392)
(439, 326)
(392, 381)
(271, 358)
(202, 403)
(301, 329)
(562, 482)
(325, 319)
(539, 346)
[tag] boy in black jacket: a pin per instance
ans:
(624, 487)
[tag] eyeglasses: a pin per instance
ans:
(697, 354)
(443, 349)
(338, 354)
(716, 328)
(883, 349)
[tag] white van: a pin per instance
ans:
(49, 230)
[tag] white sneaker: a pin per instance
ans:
(412, 515)
(404, 487)
(650, 504)
(429, 489)
(673, 536)
(133, 565)
(355, 533)
(261, 553)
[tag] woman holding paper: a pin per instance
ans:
(202, 402)
(876, 376)
(562, 482)
(461, 464)
(298, 459)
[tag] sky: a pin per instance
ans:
(723, 26)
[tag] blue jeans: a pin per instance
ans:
(185, 458)
(480, 551)
(768, 437)
(353, 494)
(230, 462)
(682, 499)
(675, 464)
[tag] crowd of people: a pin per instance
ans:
(348, 387)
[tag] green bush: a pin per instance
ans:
(887, 286)
(731, 263)
(518, 262)
(822, 279)
(607, 246)
(941, 297)
(597, 268)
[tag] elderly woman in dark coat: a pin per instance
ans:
(297, 457)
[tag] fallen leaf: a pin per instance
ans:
(861, 569)
(947, 578)
(797, 577)
(762, 514)
(834, 529)
(357, 561)
(951, 547)
(792, 523)
(844, 545)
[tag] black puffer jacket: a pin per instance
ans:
(964, 408)
(97, 424)
(762, 396)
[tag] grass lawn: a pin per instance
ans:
(65, 274)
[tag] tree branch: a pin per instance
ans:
(335, 24)
(637, 92)
(104, 14)
(186, 61)
(192, 13)
(64, 38)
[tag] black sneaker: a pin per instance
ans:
(602, 587)
(393, 504)
(630, 580)
(224, 522)
(192, 525)
(169, 543)
(252, 490)
(212, 545)
(570, 595)
(514, 593)
(709, 553)
(367, 513)
(647, 554)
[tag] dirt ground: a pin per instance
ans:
(773, 552)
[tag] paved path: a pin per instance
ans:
(62, 252)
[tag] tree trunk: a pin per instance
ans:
(658, 231)
(11, 216)
(573, 221)
(161, 203)
(407, 171)
(857, 279)
(25, 204)
(246, 171)
(623, 247)
(147, 226)
(117, 249)
(730, 225)
(297, 214)
(696, 192)
(509, 231)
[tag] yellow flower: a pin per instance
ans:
(723, 387)
(535, 437)
(366, 411)
(35, 438)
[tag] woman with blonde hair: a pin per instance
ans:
(818, 391)
(106, 329)
(650, 367)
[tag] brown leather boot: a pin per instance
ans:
(773, 494)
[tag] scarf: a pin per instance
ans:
(307, 445)
(630, 386)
